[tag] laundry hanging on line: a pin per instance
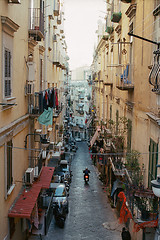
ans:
(48, 98)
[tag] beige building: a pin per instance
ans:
(33, 63)
(126, 79)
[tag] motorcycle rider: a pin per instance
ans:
(86, 172)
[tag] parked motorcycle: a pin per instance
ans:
(60, 215)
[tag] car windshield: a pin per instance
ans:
(60, 192)
(65, 167)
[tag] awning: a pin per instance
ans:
(95, 136)
(45, 177)
(24, 205)
(89, 122)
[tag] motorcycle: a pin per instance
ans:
(60, 215)
(86, 175)
(86, 178)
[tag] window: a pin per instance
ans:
(8, 29)
(153, 160)
(110, 112)
(7, 73)
(129, 135)
(117, 123)
(9, 165)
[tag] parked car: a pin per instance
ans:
(78, 139)
(67, 148)
(60, 195)
(63, 170)
(73, 147)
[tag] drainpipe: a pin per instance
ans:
(45, 42)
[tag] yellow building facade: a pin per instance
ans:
(126, 83)
(123, 65)
(28, 69)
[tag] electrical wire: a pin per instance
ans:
(96, 154)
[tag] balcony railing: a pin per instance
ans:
(59, 19)
(124, 78)
(142, 202)
(37, 105)
(154, 76)
(56, 8)
(36, 23)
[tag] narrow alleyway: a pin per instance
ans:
(89, 210)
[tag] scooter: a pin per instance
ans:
(86, 175)
(86, 178)
(60, 215)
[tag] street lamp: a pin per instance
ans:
(156, 191)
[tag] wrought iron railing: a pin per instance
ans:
(154, 76)
(36, 19)
(37, 104)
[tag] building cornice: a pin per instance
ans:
(131, 11)
(8, 26)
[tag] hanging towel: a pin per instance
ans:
(46, 118)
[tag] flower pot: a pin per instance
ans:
(109, 30)
(116, 17)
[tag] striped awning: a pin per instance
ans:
(95, 136)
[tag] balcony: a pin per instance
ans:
(59, 19)
(116, 17)
(56, 8)
(38, 103)
(109, 29)
(154, 76)
(56, 61)
(141, 202)
(124, 78)
(36, 24)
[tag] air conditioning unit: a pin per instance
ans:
(29, 88)
(14, 1)
(29, 176)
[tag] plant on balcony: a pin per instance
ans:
(134, 169)
(61, 129)
(116, 16)
(109, 30)
(105, 38)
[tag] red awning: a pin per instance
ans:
(24, 205)
(45, 176)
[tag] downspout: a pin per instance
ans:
(45, 43)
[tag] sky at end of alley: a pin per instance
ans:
(81, 22)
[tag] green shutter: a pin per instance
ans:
(153, 160)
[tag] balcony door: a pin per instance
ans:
(153, 160)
